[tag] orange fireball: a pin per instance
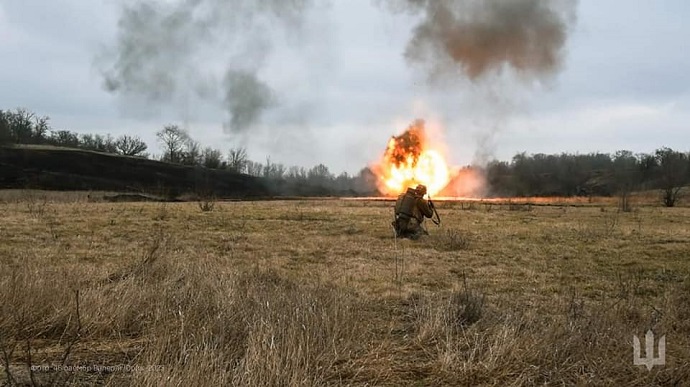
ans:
(408, 161)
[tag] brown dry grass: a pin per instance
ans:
(319, 293)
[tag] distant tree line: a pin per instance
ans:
(592, 174)
(24, 127)
(179, 147)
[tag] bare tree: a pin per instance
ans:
(65, 138)
(98, 143)
(41, 129)
(5, 133)
(212, 158)
(296, 174)
(254, 168)
(173, 139)
(109, 144)
(320, 175)
(237, 160)
(266, 169)
(343, 182)
(648, 166)
(88, 142)
(273, 170)
(625, 175)
(192, 154)
(23, 127)
(673, 174)
(21, 124)
(130, 146)
(278, 171)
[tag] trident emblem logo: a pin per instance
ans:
(649, 360)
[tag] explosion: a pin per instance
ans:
(409, 160)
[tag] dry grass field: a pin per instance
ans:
(318, 292)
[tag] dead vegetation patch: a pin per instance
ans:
(258, 293)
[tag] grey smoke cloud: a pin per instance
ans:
(478, 37)
(245, 98)
(171, 52)
(162, 47)
(155, 43)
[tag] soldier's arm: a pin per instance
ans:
(425, 208)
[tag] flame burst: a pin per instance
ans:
(409, 161)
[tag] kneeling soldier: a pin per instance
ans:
(410, 210)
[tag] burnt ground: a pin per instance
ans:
(64, 169)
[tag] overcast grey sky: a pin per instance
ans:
(341, 85)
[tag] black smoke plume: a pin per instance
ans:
(477, 37)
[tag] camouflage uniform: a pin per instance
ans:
(410, 210)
